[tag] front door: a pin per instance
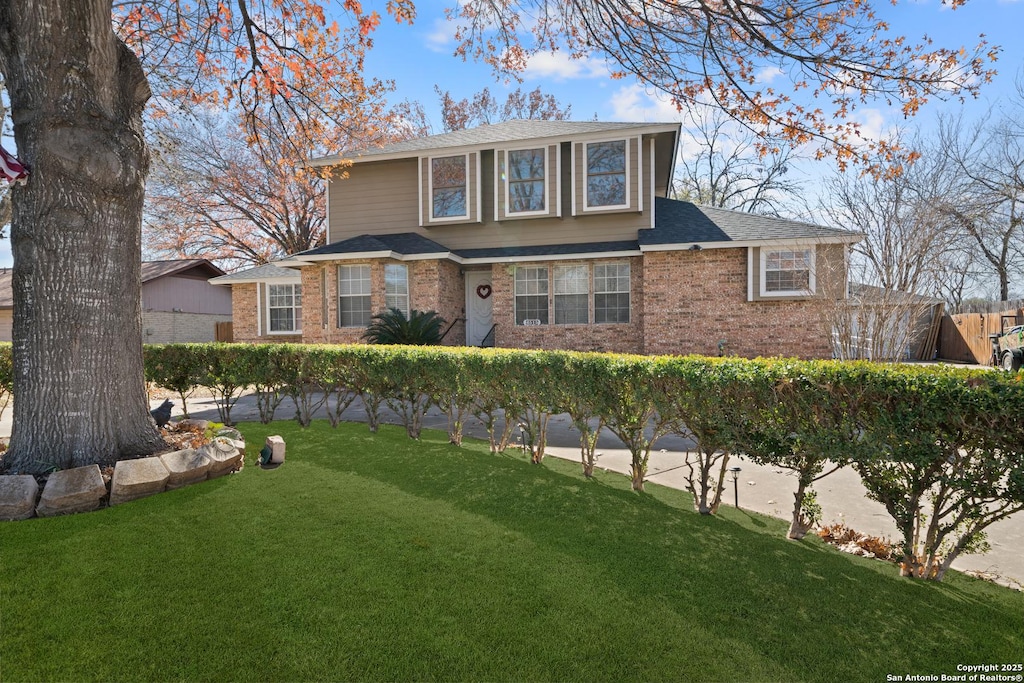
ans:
(479, 306)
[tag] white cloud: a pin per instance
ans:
(634, 103)
(559, 66)
(768, 74)
(442, 37)
(872, 124)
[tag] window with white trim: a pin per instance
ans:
(354, 296)
(572, 295)
(284, 309)
(531, 294)
(787, 272)
(526, 187)
(396, 287)
(449, 187)
(611, 293)
(606, 174)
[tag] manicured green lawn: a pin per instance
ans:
(375, 557)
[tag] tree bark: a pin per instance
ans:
(799, 526)
(77, 94)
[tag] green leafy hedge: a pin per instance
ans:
(939, 447)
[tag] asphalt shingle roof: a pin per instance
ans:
(492, 134)
(267, 271)
(152, 270)
(405, 243)
(678, 222)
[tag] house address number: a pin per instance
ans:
(531, 321)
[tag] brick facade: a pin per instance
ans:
(695, 299)
(166, 327)
(618, 337)
(433, 286)
(681, 302)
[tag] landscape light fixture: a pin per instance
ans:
(735, 484)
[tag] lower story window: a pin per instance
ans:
(284, 308)
(611, 293)
(354, 296)
(531, 291)
(787, 271)
(396, 287)
(572, 295)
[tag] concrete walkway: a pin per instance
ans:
(762, 489)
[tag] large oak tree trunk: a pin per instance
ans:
(77, 95)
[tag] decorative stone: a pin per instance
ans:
(186, 467)
(224, 455)
(276, 446)
(66, 492)
(134, 479)
(18, 493)
(230, 433)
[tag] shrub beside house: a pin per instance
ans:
(549, 235)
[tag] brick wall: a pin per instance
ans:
(619, 337)
(433, 286)
(243, 312)
(681, 302)
(694, 299)
(165, 327)
(243, 317)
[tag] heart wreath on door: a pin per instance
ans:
(483, 291)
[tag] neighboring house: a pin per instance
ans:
(886, 325)
(548, 234)
(178, 303)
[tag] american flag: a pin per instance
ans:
(11, 168)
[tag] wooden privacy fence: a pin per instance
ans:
(964, 336)
(224, 332)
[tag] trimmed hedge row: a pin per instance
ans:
(939, 447)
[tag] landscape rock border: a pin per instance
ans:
(84, 489)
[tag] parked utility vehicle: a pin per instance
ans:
(1008, 346)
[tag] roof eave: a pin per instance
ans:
(363, 156)
(733, 244)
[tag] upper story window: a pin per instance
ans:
(526, 175)
(572, 294)
(354, 296)
(396, 287)
(284, 309)
(606, 175)
(531, 292)
(611, 293)
(449, 189)
(787, 272)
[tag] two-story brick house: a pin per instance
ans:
(548, 234)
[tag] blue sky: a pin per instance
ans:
(419, 56)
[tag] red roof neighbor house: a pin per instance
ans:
(548, 234)
(178, 303)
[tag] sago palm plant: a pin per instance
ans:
(421, 328)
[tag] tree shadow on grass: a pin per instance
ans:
(733, 573)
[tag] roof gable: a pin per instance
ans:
(198, 268)
(514, 131)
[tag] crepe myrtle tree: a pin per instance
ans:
(79, 75)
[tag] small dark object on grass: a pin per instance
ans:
(162, 414)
